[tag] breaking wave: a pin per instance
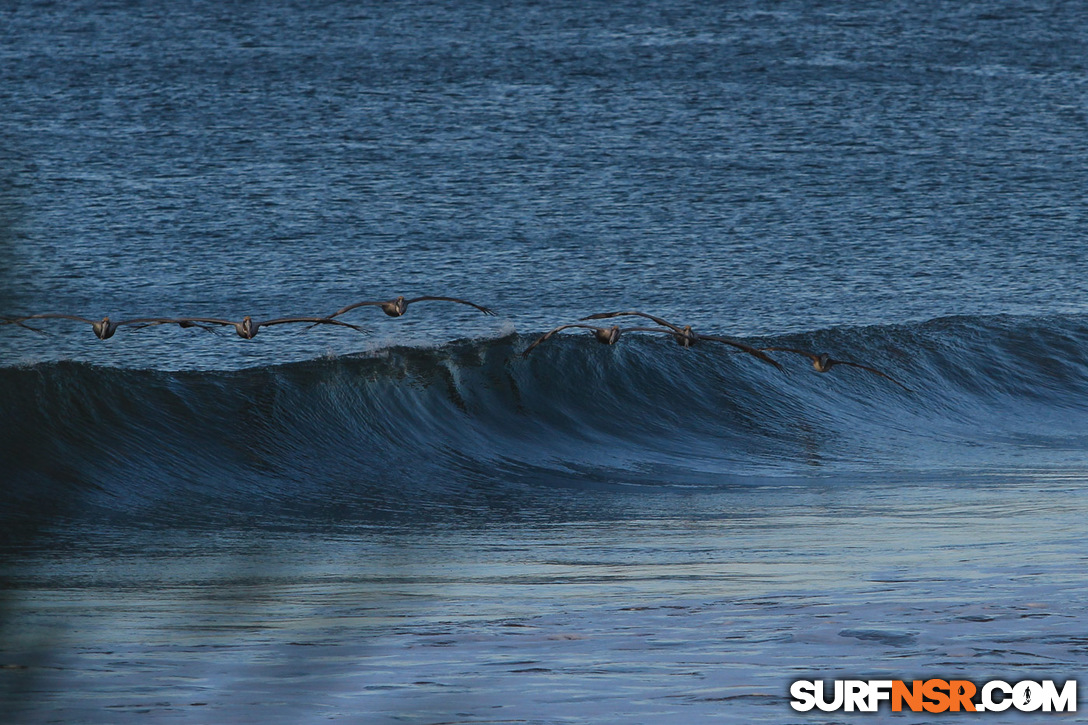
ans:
(421, 432)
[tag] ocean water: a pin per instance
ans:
(414, 523)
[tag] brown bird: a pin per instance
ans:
(824, 362)
(687, 337)
(248, 328)
(103, 329)
(603, 335)
(180, 322)
(397, 307)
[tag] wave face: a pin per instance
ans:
(422, 432)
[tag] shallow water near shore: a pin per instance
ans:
(643, 606)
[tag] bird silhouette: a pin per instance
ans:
(603, 335)
(686, 336)
(823, 363)
(399, 305)
(247, 328)
(103, 329)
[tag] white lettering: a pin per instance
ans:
(856, 695)
(879, 690)
(1065, 701)
(804, 695)
(994, 696)
(997, 705)
(822, 703)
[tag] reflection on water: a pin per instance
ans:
(675, 607)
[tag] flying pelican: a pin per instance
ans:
(103, 329)
(686, 337)
(603, 335)
(824, 362)
(397, 307)
(248, 328)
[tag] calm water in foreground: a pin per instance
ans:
(685, 607)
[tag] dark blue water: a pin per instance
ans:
(415, 524)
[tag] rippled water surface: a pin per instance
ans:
(625, 607)
(414, 523)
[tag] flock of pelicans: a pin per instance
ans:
(247, 328)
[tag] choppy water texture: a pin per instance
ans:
(415, 524)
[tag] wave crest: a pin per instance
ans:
(427, 425)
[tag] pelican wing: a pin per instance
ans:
(485, 310)
(180, 322)
(183, 321)
(148, 321)
(313, 320)
(678, 334)
(806, 353)
(748, 349)
(665, 330)
(548, 334)
(19, 321)
(632, 313)
(49, 316)
(873, 370)
(349, 308)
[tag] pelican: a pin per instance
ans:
(248, 328)
(603, 335)
(103, 329)
(824, 362)
(687, 337)
(397, 307)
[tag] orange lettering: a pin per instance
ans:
(935, 691)
(912, 695)
(961, 692)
